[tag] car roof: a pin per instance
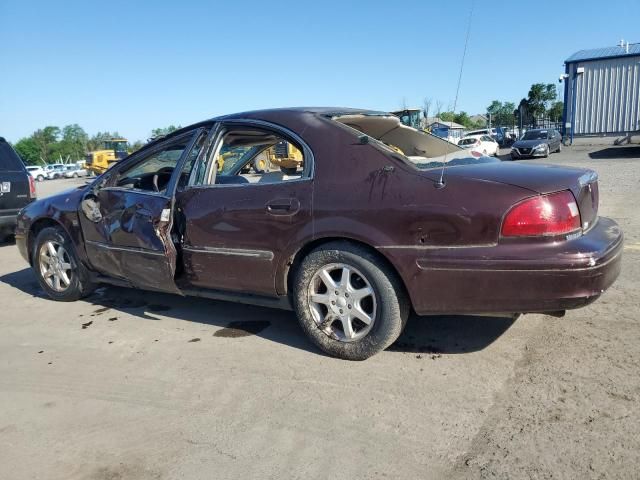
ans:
(296, 111)
(269, 113)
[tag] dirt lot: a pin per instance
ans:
(137, 385)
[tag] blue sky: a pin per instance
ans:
(133, 66)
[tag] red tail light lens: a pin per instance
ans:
(553, 214)
(32, 187)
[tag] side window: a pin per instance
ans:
(256, 156)
(153, 172)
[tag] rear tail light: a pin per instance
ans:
(545, 215)
(32, 187)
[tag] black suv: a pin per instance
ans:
(17, 188)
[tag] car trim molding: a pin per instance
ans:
(239, 252)
(125, 249)
(434, 247)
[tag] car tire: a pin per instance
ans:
(78, 281)
(40, 178)
(547, 151)
(386, 306)
(75, 175)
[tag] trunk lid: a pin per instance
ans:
(540, 179)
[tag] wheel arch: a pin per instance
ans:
(295, 260)
(35, 228)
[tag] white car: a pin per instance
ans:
(480, 143)
(37, 173)
(55, 170)
(74, 171)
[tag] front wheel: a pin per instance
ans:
(57, 267)
(349, 303)
(40, 178)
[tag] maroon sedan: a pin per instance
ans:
(347, 216)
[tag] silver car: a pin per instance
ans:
(74, 171)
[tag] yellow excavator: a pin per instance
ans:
(410, 117)
(114, 150)
(283, 155)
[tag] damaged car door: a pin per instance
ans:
(127, 217)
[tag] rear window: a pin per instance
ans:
(9, 159)
(467, 141)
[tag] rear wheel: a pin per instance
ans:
(57, 267)
(349, 303)
(40, 178)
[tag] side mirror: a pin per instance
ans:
(90, 207)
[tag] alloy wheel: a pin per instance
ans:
(55, 266)
(342, 302)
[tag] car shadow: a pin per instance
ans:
(616, 152)
(429, 335)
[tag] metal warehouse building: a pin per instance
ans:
(602, 92)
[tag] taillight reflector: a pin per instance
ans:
(553, 214)
(32, 187)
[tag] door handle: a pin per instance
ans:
(284, 206)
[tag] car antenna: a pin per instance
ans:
(440, 183)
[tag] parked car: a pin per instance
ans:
(371, 225)
(55, 170)
(74, 171)
(480, 143)
(537, 143)
(37, 172)
(495, 133)
(17, 188)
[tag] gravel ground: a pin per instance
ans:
(142, 385)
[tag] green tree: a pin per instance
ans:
(45, 139)
(523, 113)
(96, 142)
(28, 150)
(160, 132)
(501, 113)
(72, 145)
(555, 112)
(137, 145)
(461, 117)
(540, 98)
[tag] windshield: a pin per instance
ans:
(535, 135)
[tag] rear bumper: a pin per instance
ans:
(514, 278)
(8, 219)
